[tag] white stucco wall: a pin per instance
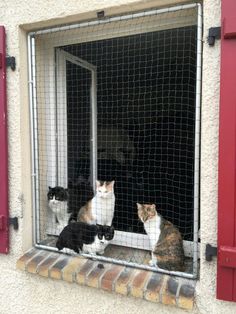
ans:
(25, 293)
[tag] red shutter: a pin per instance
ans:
(4, 240)
(226, 271)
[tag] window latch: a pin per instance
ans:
(210, 252)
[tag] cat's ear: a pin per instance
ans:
(111, 184)
(139, 205)
(153, 206)
(98, 184)
(49, 188)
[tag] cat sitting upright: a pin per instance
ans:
(103, 203)
(86, 238)
(165, 239)
(100, 209)
(58, 203)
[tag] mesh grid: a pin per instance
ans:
(142, 108)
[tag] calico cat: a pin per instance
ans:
(58, 203)
(99, 210)
(165, 239)
(83, 237)
(84, 214)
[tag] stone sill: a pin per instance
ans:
(148, 285)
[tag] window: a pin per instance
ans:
(119, 99)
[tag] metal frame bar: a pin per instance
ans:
(93, 106)
(33, 113)
(34, 142)
(93, 139)
(197, 140)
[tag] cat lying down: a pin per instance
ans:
(85, 238)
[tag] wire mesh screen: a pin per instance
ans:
(114, 137)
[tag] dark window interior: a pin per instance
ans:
(145, 121)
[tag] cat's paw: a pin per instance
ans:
(101, 252)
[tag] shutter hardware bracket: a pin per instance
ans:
(11, 62)
(14, 221)
(210, 252)
(213, 34)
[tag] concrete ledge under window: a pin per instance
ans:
(151, 286)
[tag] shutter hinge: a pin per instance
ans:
(210, 252)
(11, 62)
(213, 34)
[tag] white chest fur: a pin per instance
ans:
(152, 228)
(103, 210)
(96, 247)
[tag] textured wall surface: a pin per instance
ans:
(24, 293)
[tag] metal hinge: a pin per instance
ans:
(210, 252)
(213, 34)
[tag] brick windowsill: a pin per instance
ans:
(151, 286)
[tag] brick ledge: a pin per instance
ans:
(148, 285)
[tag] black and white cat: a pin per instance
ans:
(86, 238)
(58, 203)
(104, 236)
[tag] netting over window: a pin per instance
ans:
(115, 101)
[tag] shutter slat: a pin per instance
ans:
(4, 236)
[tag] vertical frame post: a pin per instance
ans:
(34, 137)
(197, 140)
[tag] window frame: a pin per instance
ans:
(49, 61)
